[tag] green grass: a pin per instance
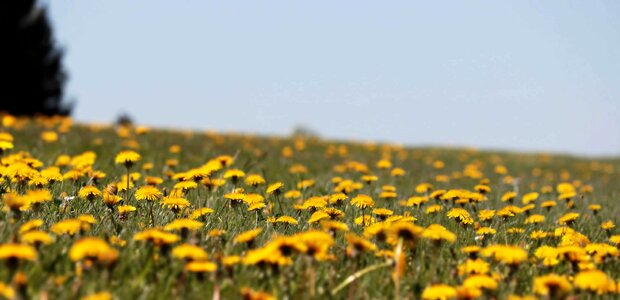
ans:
(136, 275)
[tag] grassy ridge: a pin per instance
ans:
(145, 271)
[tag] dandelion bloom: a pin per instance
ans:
(149, 193)
(89, 192)
(175, 203)
(38, 196)
(30, 225)
(334, 226)
(98, 296)
(286, 219)
(552, 285)
(594, 281)
(123, 209)
(250, 294)
(435, 208)
(357, 244)
(275, 188)
(156, 236)
(568, 218)
(127, 158)
(248, 236)
(480, 282)
(70, 227)
(234, 174)
(111, 199)
(91, 247)
(507, 254)
(608, 225)
(533, 219)
(185, 185)
(473, 266)
(36, 237)
(485, 231)
(254, 180)
(13, 251)
(189, 252)
(458, 214)
(184, 224)
(362, 201)
(438, 233)
(439, 292)
(200, 266)
(508, 196)
(5, 145)
(201, 212)
(15, 202)
(5, 290)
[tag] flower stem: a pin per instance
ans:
(359, 274)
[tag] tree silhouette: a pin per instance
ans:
(34, 78)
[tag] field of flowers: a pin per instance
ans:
(102, 212)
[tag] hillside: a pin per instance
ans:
(134, 212)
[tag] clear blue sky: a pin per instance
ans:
(523, 75)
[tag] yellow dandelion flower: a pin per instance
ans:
(333, 226)
(98, 296)
(89, 192)
(534, 219)
(234, 174)
(356, 244)
(594, 281)
(485, 231)
(148, 193)
(529, 197)
(362, 201)
(435, 208)
(38, 196)
(306, 183)
(275, 188)
(508, 196)
(552, 285)
(292, 194)
(16, 202)
(70, 227)
(30, 225)
(36, 237)
(248, 236)
(184, 224)
(480, 282)
(473, 267)
(201, 212)
(123, 209)
(156, 236)
(127, 158)
(111, 199)
(189, 252)
(437, 233)
(286, 219)
(506, 254)
(568, 218)
(200, 266)
(615, 239)
(250, 294)
(13, 251)
(5, 290)
(439, 292)
(175, 203)
(254, 180)
(91, 247)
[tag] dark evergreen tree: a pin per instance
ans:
(33, 77)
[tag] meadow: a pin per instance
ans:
(129, 212)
